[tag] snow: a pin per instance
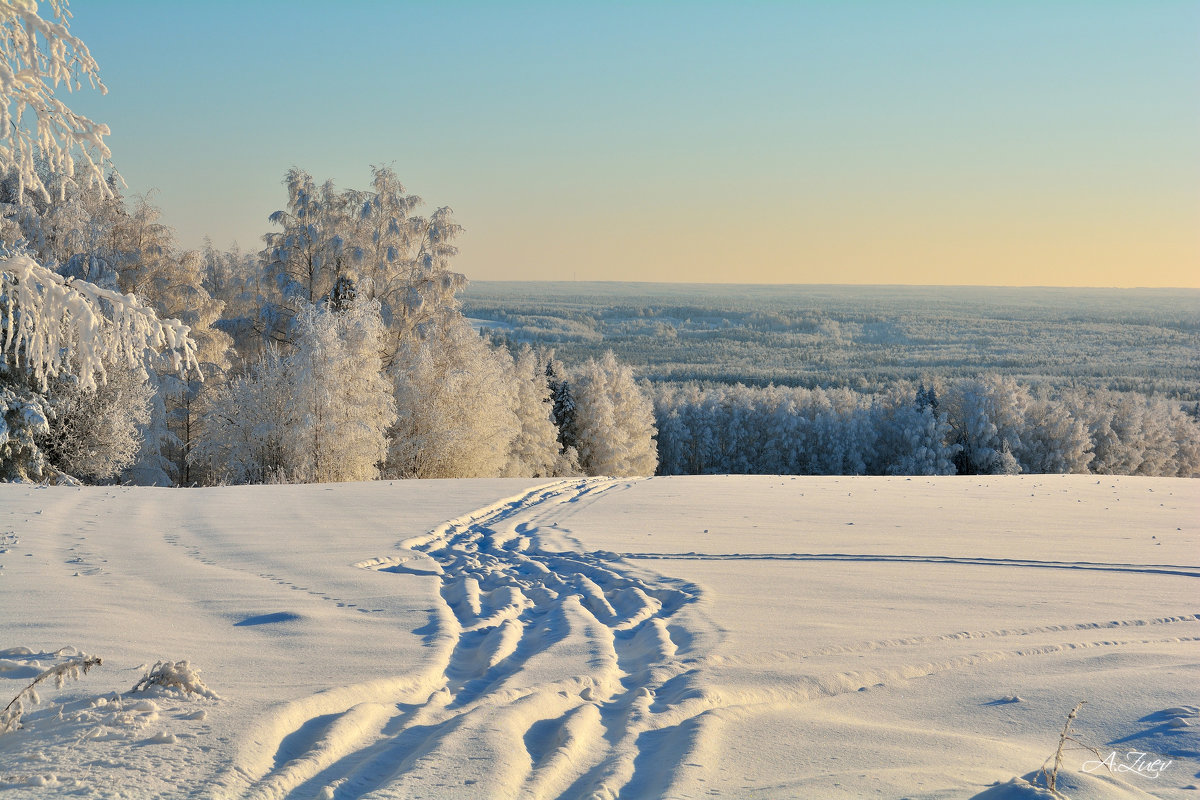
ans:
(686, 637)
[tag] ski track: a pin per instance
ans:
(571, 674)
(550, 664)
(1149, 569)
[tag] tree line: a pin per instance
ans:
(986, 425)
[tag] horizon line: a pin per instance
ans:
(833, 285)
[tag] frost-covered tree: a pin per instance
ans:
(1131, 434)
(1115, 423)
(126, 248)
(1185, 429)
(535, 452)
(837, 431)
(238, 281)
(24, 420)
(1052, 440)
(309, 254)
(55, 327)
(614, 420)
(186, 298)
(173, 283)
(343, 403)
(404, 258)
(60, 341)
(246, 424)
(399, 258)
(454, 408)
(927, 398)
(130, 249)
(69, 223)
(771, 430)
(986, 418)
(152, 464)
(95, 434)
(1005, 426)
(911, 437)
(343, 294)
(562, 404)
(54, 324)
(318, 414)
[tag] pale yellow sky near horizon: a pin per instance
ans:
(870, 240)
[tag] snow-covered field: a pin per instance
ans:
(691, 637)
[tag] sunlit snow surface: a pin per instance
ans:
(674, 637)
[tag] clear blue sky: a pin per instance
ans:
(807, 142)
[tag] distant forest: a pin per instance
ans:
(865, 338)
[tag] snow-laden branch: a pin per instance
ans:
(53, 325)
(36, 57)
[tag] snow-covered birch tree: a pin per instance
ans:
(454, 407)
(374, 237)
(986, 418)
(535, 451)
(245, 425)
(614, 420)
(343, 402)
(318, 414)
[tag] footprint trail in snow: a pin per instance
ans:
(554, 672)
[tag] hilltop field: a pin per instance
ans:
(690, 637)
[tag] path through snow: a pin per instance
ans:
(553, 661)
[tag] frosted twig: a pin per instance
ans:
(10, 718)
(1050, 777)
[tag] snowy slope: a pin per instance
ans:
(671, 637)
